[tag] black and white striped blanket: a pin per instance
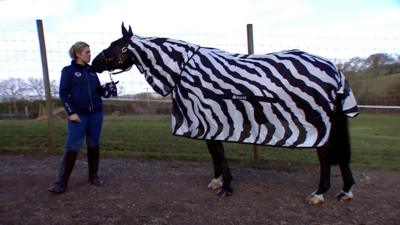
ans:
(281, 99)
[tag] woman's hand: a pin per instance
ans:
(74, 118)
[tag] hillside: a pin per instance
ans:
(372, 89)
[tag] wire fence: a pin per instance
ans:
(20, 58)
(20, 54)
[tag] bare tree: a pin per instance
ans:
(12, 90)
(355, 64)
(379, 63)
(36, 87)
(54, 87)
(379, 60)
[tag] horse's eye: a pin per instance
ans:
(124, 49)
(110, 59)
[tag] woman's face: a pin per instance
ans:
(83, 56)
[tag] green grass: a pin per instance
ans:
(375, 141)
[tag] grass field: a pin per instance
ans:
(385, 87)
(375, 141)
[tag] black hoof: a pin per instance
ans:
(222, 192)
(96, 181)
(344, 196)
(57, 188)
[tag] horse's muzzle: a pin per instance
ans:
(99, 63)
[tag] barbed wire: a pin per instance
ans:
(20, 54)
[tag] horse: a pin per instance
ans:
(288, 99)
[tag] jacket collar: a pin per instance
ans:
(73, 62)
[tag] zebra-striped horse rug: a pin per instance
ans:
(282, 99)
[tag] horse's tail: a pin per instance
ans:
(339, 139)
(347, 103)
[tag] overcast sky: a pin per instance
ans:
(310, 17)
(346, 28)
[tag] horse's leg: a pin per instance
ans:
(342, 143)
(317, 197)
(348, 181)
(216, 182)
(336, 151)
(221, 167)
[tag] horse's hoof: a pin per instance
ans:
(344, 196)
(315, 199)
(224, 192)
(215, 183)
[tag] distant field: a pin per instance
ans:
(379, 90)
(375, 85)
(375, 141)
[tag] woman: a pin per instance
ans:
(80, 91)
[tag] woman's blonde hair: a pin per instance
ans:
(77, 48)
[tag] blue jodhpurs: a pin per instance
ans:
(89, 127)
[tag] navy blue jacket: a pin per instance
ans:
(80, 90)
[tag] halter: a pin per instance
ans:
(111, 87)
(120, 58)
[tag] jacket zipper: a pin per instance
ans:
(90, 93)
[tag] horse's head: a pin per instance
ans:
(117, 55)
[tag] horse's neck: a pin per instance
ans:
(161, 60)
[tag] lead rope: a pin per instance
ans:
(110, 88)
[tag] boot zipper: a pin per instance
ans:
(90, 93)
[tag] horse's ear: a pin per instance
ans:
(126, 34)
(130, 31)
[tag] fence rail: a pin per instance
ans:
(124, 106)
(379, 106)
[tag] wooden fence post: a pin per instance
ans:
(250, 50)
(46, 80)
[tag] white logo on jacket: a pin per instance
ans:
(78, 74)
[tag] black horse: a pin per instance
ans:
(335, 150)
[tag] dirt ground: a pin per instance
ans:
(153, 191)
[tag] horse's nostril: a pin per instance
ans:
(96, 66)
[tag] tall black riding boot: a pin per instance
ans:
(67, 164)
(93, 164)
